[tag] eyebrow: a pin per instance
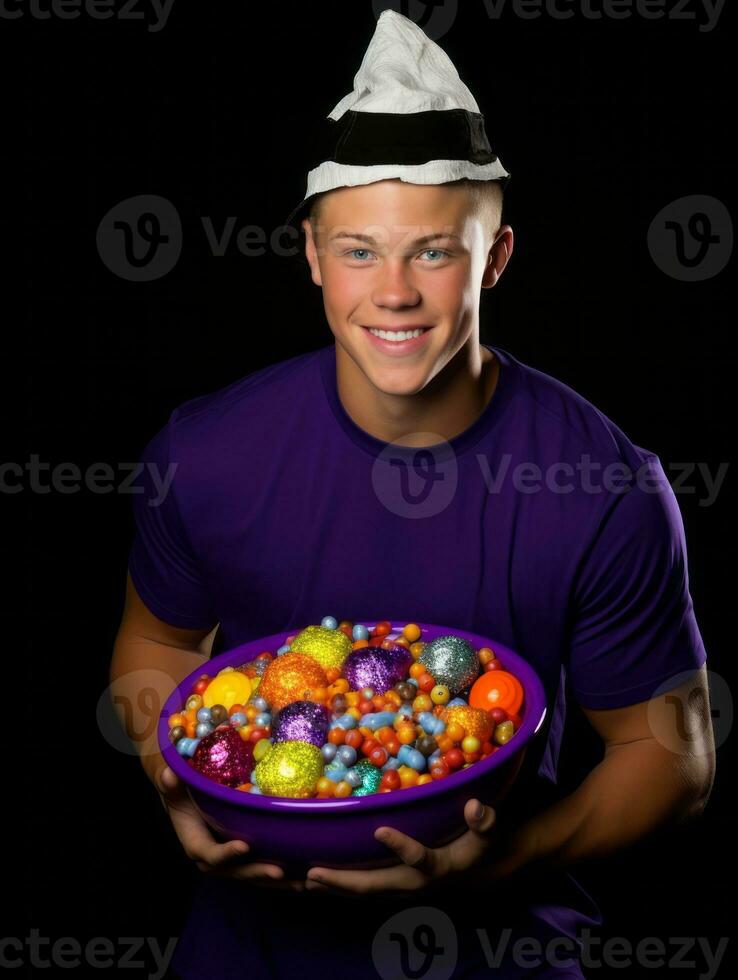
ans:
(368, 238)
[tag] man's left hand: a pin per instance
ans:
(421, 866)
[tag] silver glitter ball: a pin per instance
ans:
(452, 661)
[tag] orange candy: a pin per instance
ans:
(497, 689)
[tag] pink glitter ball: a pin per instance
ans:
(225, 757)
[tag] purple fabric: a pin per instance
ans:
(280, 503)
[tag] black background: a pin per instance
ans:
(601, 124)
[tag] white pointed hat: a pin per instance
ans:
(409, 116)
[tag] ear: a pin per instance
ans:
(498, 257)
(311, 252)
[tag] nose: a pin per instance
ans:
(394, 287)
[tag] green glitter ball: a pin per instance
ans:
(371, 777)
(452, 661)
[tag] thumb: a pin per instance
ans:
(479, 817)
(166, 780)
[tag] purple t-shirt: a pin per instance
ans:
(541, 526)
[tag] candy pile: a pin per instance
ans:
(345, 710)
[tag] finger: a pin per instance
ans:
(198, 842)
(364, 882)
(167, 780)
(411, 852)
(480, 818)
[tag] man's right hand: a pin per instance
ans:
(199, 844)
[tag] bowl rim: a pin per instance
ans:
(533, 717)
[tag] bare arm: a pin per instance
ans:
(151, 654)
(658, 770)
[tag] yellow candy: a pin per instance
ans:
(290, 769)
(327, 647)
(227, 689)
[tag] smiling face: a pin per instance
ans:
(396, 257)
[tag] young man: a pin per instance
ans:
(431, 478)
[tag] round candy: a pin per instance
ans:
(451, 661)
(290, 769)
(371, 777)
(291, 678)
(225, 757)
(327, 647)
(497, 689)
(230, 688)
(377, 667)
(474, 721)
(302, 721)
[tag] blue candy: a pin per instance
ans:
(347, 755)
(345, 721)
(238, 719)
(360, 632)
(263, 719)
(283, 649)
(354, 778)
(330, 622)
(415, 759)
(378, 719)
(204, 715)
(203, 729)
(328, 751)
(335, 773)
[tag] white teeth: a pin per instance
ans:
(396, 335)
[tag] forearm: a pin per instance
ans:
(143, 673)
(636, 789)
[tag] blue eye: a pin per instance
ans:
(353, 250)
(438, 250)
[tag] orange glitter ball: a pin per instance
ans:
(289, 678)
(474, 721)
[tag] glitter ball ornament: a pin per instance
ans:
(290, 769)
(290, 678)
(327, 647)
(474, 721)
(225, 757)
(371, 777)
(302, 721)
(452, 661)
(379, 668)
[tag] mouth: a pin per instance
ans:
(392, 340)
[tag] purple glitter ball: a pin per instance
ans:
(302, 721)
(379, 668)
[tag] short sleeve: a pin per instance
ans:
(633, 622)
(163, 566)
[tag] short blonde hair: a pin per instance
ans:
(486, 195)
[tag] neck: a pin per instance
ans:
(451, 401)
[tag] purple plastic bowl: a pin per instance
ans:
(339, 833)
